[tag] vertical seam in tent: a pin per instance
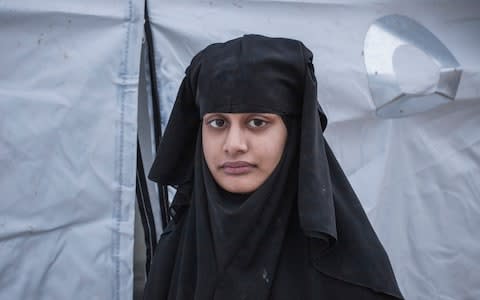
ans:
(117, 210)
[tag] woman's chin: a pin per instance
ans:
(238, 185)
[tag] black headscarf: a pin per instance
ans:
(303, 233)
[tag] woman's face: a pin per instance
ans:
(242, 149)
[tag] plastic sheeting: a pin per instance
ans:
(68, 122)
(418, 177)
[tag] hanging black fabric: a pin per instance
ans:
(303, 233)
(146, 214)
(157, 121)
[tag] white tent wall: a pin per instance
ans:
(69, 75)
(68, 131)
(417, 177)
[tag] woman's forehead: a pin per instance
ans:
(243, 114)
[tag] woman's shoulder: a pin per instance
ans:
(334, 272)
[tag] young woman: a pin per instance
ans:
(262, 210)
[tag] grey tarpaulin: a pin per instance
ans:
(68, 108)
(418, 177)
(68, 133)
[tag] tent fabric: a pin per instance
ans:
(68, 132)
(68, 120)
(417, 177)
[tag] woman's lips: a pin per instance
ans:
(237, 167)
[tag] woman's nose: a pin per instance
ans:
(235, 141)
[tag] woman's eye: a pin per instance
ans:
(217, 123)
(255, 123)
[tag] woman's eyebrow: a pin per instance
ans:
(213, 115)
(261, 115)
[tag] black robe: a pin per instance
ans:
(303, 233)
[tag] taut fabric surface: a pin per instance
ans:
(411, 174)
(68, 131)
